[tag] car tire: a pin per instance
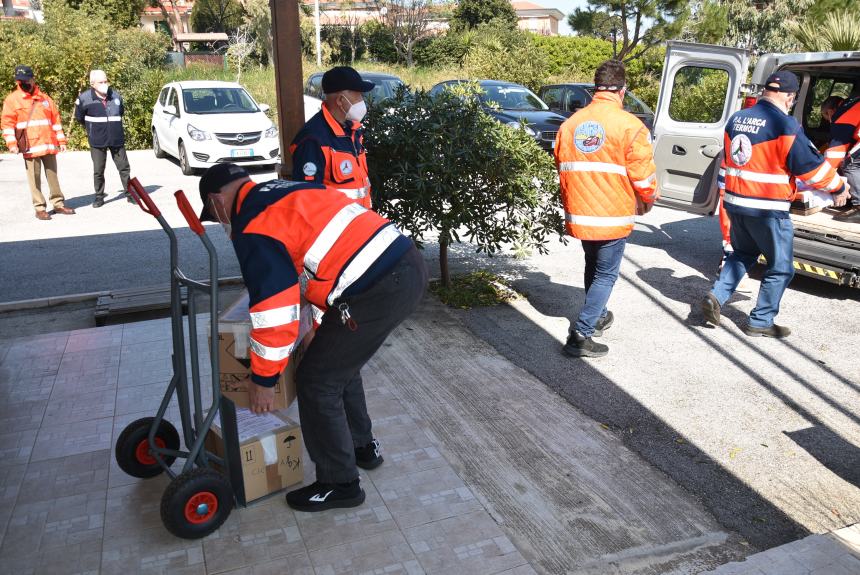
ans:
(156, 146)
(183, 161)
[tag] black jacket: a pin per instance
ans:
(103, 121)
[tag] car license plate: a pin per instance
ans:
(241, 153)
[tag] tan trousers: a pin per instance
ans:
(34, 178)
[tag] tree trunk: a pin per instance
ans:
(443, 260)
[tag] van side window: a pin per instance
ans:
(822, 89)
(699, 95)
(162, 98)
(315, 87)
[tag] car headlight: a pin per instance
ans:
(197, 135)
(271, 132)
(523, 127)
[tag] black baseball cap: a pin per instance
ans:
(342, 78)
(23, 72)
(784, 81)
(213, 180)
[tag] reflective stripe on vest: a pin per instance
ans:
(355, 194)
(835, 155)
(363, 260)
(603, 167)
(103, 118)
(40, 148)
(599, 221)
(271, 353)
(318, 314)
(646, 183)
(32, 124)
(777, 205)
(330, 235)
(757, 176)
(274, 317)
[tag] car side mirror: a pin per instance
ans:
(170, 109)
(264, 108)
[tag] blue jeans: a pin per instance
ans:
(602, 263)
(751, 236)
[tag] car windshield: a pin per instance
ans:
(631, 104)
(384, 88)
(218, 101)
(513, 98)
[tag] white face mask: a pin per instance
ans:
(101, 87)
(357, 111)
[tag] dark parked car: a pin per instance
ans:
(386, 85)
(512, 103)
(566, 99)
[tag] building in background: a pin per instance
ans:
(21, 9)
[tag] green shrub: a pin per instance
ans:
(510, 55)
(380, 42)
(449, 49)
(451, 168)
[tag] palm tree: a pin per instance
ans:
(839, 31)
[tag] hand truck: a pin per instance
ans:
(199, 498)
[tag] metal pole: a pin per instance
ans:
(317, 26)
(288, 76)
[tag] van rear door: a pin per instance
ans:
(699, 90)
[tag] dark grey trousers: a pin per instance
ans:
(99, 156)
(332, 407)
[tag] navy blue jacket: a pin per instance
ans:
(102, 118)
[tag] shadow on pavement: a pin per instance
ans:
(83, 201)
(831, 450)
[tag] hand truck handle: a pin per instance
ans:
(188, 212)
(143, 200)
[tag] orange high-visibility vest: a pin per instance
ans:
(605, 160)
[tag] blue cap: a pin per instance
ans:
(783, 81)
(342, 78)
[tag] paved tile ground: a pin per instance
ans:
(66, 507)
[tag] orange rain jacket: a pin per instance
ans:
(44, 133)
(605, 160)
(283, 230)
(329, 153)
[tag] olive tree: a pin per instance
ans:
(442, 164)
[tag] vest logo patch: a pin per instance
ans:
(116, 101)
(310, 169)
(346, 167)
(741, 150)
(46, 104)
(589, 137)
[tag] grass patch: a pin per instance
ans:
(480, 288)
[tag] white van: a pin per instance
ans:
(701, 87)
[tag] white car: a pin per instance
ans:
(202, 123)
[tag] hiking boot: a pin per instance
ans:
(711, 309)
(603, 324)
(777, 331)
(368, 457)
(580, 346)
(321, 496)
(851, 216)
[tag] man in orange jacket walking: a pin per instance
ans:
(606, 166)
(31, 126)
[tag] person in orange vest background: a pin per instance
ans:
(843, 152)
(765, 149)
(329, 149)
(606, 167)
(31, 126)
(363, 279)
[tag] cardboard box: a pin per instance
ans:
(234, 329)
(270, 451)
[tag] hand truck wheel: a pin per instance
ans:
(196, 503)
(132, 447)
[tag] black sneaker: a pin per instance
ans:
(777, 331)
(603, 324)
(368, 457)
(580, 346)
(99, 202)
(321, 496)
(711, 309)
